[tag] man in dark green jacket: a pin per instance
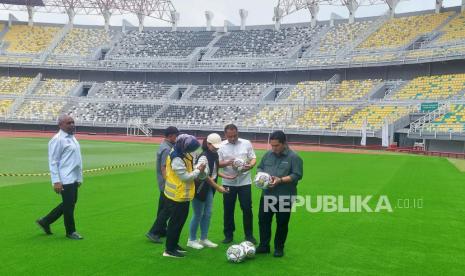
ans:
(286, 169)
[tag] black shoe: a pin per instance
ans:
(173, 254)
(44, 227)
(180, 249)
(153, 238)
(251, 239)
(74, 236)
(278, 253)
(227, 240)
(262, 249)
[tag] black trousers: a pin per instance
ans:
(69, 197)
(264, 222)
(178, 212)
(244, 193)
(160, 223)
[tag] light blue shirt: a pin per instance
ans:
(64, 159)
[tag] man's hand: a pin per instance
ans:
(58, 187)
(275, 181)
(202, 167)
(222, 189)
(227, 176)
(247, 167)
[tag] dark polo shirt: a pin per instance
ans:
(288, 163)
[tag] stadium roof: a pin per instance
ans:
(192, 12)
(23, 2)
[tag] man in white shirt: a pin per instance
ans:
(65, 162)
(232, 153)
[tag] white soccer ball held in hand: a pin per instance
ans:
(263, 180)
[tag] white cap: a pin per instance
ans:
(214, 139)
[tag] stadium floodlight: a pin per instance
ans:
(160, 9)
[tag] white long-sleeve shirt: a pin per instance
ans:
(64, 159)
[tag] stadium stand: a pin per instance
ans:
(40, 110)
(342, 34)
(14, 85)
(454, 30)
(151, 44)
(29, 40)
(398, 32)
(212, 115)
(431, 87)
(263, 43)
(351, 90)
(307, 91)
(322, 117)
(112, 112)
(56, 87)
(375, 115)
(229, 92)
(5, 106)
(82, 42)
(132, 90)
(274, 116)
(452, 121)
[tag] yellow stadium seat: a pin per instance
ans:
(24, 39)
(432, 87)
(398, 32)
(40, 110)
(14, 85)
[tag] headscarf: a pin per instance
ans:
(184, 144)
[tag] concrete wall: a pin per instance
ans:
(445, 146)
(389, 72)
(319, 140)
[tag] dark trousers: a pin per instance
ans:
(69, 197)
(264, 222)
(159, 226)
(244, 193)
(178, 212)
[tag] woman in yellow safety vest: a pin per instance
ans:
(180, 189)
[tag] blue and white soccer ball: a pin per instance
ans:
(202, 160)
(249, 249)
(262, 180)
(235, 253)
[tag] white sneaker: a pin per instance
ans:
(194, 244)
(208, 243)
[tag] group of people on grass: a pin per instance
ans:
(186, 175)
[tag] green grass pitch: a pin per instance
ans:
(116, 208)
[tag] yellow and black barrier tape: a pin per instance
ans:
(106, 168)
